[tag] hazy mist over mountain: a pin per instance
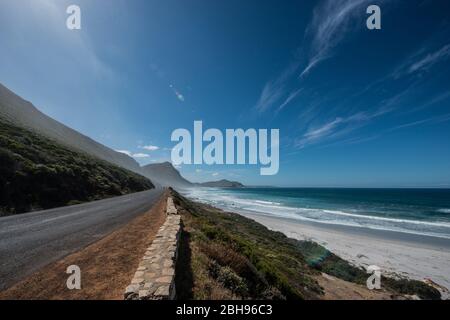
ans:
(165, 174)
(24, 113)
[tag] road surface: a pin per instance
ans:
(30, 241)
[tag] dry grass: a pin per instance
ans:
(228, 256)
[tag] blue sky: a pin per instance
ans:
(354, 107)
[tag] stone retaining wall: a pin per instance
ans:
(155, 276)
(171, 209)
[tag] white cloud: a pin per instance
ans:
(150, 148)
(140, 155)
(128, 153)
(134, 155)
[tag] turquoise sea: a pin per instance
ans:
(417, 211)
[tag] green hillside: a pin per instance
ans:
(39, 173)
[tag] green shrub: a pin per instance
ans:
(243, 254)
(39, 173)
(229, 279)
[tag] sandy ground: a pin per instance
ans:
(107, 266)
(337, 289)
(411, 256)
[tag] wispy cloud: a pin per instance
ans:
(332, 21)
(425, 63)
(274, 90)
(317, 133)
(439, 98)
(443, 96)
(392, 103)
(356, 140)
(337, 127)
(428, 121)
(421, 60)
(289, 99)
(323, 130)
(270, 94)
(431, 120)
(348, 116)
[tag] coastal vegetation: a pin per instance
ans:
(323, 260)
(39, 173)
(227, 256)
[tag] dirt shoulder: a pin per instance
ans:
(107, 265)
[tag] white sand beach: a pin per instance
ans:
(400, 254)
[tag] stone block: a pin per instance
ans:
(154, 278)
(163, 291)
(137, 280)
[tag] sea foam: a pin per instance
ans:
(227, 200)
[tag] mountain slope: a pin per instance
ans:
(39, 173)
(166, 175)
(24, 114)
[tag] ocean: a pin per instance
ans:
(416, 211)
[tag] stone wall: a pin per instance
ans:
(155, 276)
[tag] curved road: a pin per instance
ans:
(30, 241)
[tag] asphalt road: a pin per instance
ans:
(30, 241)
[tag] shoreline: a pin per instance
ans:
(423, 240)
(397, 254)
